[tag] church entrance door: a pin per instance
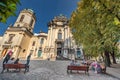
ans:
(39, 53)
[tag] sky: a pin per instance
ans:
(45, 10)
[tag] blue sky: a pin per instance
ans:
(45, 10)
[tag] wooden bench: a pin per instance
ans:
(15, 66)
(78, 68)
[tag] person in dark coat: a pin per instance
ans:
(28, 59)
(17, 61)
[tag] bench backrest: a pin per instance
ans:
(14, 66)
(77, 67)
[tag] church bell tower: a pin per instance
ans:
(26, 19)
(17, 37)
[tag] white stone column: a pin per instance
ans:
(54, 32)
(52, 35)
(20, 40)
(49, 34)
(66, 37)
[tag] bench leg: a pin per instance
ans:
(7, 70)
(68, 71)
(19, 69)
(77, 71)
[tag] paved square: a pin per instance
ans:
(51, 70)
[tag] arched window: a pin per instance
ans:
(11, 37)
(33, 44)
(18, 25)
(59, 34)
(22, 17)
(42, 41)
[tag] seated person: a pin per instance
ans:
(102, 65)
(11, 61)
(93, 65)
(98, 68)
(17, 61)
(76, 63)
(72, 62)
(84, 61)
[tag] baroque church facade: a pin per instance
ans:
(57, 43)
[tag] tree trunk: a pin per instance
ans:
(84, 56)
(107, 59)
(113, 57)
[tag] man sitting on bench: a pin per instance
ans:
(17, 61)
(74, 63)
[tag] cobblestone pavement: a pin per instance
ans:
(114, 70)
(51, 70)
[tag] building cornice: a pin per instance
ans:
(16, 29)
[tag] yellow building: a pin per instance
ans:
(57, 43)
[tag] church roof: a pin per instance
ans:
(60, 18)
(30, 10)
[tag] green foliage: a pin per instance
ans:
(7, 9)
(97, 25)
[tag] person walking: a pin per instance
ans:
(8, 56)
(28, 59)
(27, 63)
